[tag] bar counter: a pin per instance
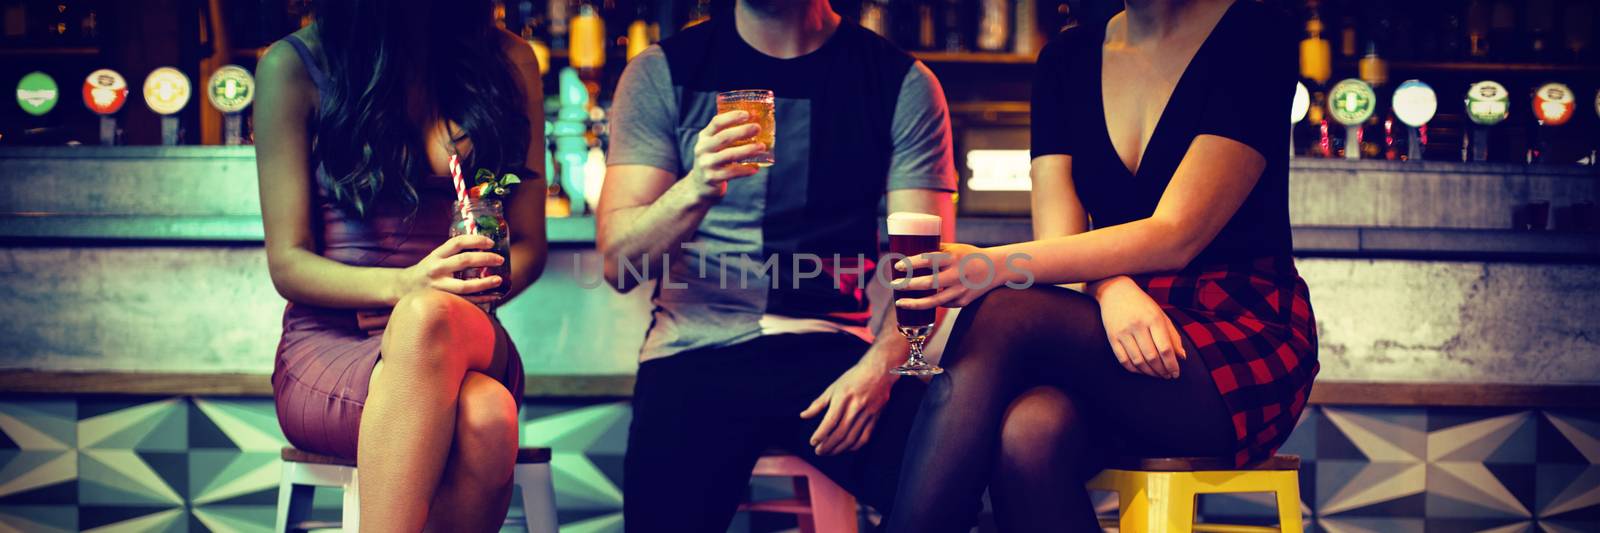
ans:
(1415, 273)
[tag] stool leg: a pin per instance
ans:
(351, 513)
(1176, 508)
(802, 491)
(1289, 520)
(294, 499)
(538, 496)
(1155, 503)
(1133, 507)
(833, 509)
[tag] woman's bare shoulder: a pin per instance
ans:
(282, 68)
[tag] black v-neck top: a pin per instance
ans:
(1240, 85)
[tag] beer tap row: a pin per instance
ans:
(166, 92)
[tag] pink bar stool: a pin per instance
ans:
(820, 505)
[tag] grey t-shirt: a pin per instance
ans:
(726, 300)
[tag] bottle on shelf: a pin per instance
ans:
(1541, 22)
(1377, 138)
(559, 14)
(875, 17)
(1026, 38)
(955, 39)
(1316, 67)
(586, 50)
(643, 31)
(1578, 31)
(1503, 32)
(994, 25)
(1348, 45)
(1316, 55)
(1478, 12)
(1447, 41)
(927, 35)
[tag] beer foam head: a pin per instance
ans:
(913, 224)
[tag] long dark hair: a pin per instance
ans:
(396, 69)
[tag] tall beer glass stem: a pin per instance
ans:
(915, 365)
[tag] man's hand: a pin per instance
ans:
(716, 153)
(852, 403)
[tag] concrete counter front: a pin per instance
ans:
(148, 260)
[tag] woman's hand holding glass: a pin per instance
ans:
(966, 273)
(1141, 334)
(438, 270)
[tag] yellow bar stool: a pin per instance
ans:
(1158, 495)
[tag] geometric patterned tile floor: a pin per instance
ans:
(211, 464)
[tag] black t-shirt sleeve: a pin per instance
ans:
(1051, 117)
(1250, 93)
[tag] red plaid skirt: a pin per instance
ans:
(1251, 322)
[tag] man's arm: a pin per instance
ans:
(645, 210)
(921, 177)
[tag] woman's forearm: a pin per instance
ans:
(307, 278)
(1099, 288)
(1148, 245)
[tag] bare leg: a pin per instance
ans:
(1045, 456)
(476, 490)
(407, 425)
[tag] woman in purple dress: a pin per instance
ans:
(386, 357)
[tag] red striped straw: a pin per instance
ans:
(461, 194)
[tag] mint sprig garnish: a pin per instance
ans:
(498, 186)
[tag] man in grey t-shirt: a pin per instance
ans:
(759, 335)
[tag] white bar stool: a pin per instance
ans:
(304, 471)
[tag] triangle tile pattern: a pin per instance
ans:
(199, 464)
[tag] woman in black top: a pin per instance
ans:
(1166, 129)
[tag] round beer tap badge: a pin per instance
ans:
(1415, 103)
(1488, 103)
(1351, 102)
(166, 91)
(1553, 104)
(105, 91)
(37, 93)
(1302, 103)
(231, 89)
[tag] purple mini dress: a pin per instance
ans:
(326, 356)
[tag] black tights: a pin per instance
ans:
(1031, 402)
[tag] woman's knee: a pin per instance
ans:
(434, 330)
(1041, 427)
(486, 421)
